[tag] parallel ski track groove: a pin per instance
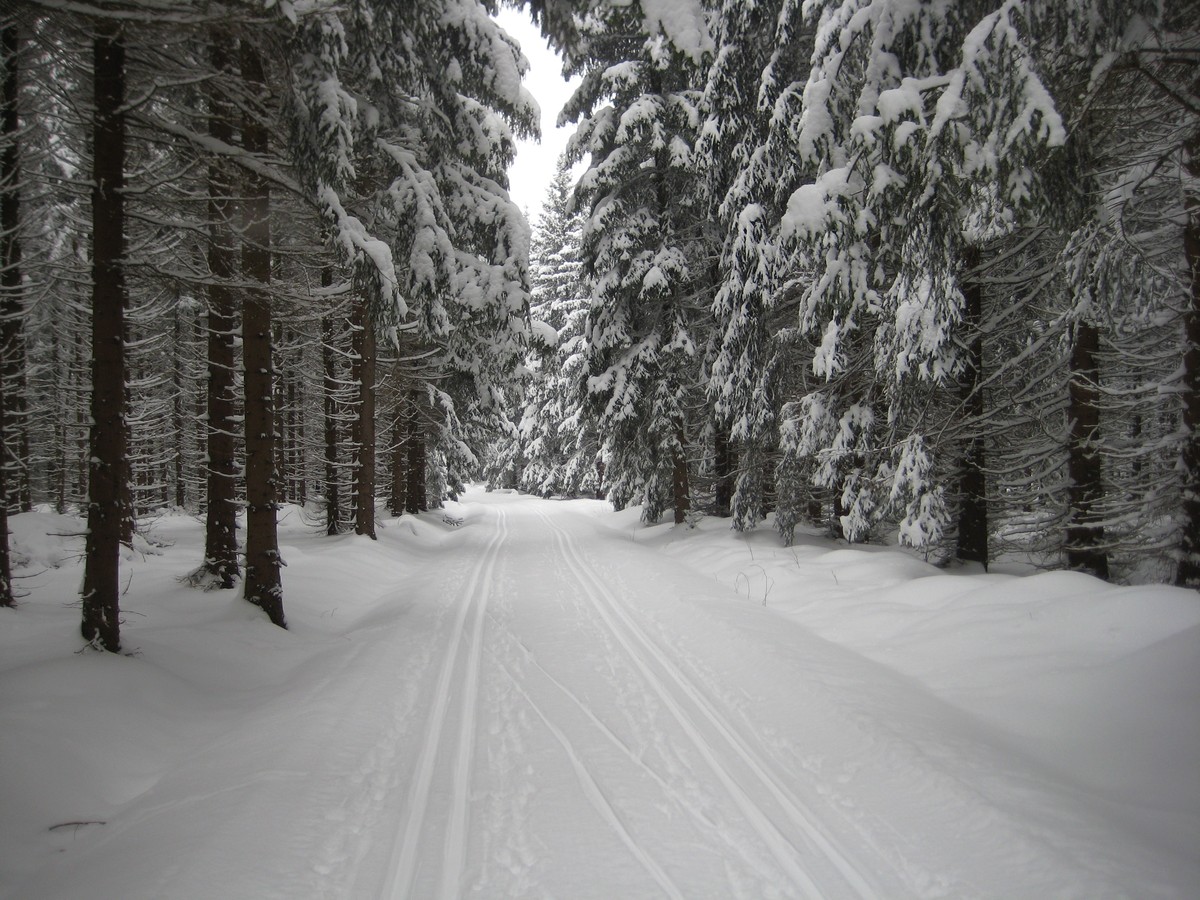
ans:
(402, 869)
(597, 798)
(629, 633)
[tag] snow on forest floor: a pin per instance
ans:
(552, 700)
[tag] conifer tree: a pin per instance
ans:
(643, 254)
(559, 449)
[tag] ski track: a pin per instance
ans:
(676, 692)
(597, 798)
(438, 745)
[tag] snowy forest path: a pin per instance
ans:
(535, 698)
(641, 730)
(564, 750)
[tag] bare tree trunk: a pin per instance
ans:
(107, 469)
(263, 584)
(364, 423)
(1085, 532)
(220, 534)
(972, 484)
(1187, 573)
(10, 268)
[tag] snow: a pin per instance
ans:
(521, 697)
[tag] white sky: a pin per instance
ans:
(533, 170)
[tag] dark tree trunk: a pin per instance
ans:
(839, 510)
(1187, 574)
(680, 487)
(220, 541)
(364, 422)
(414, 493)
(399, 458)
(13, 424)
(333, 523)
(263, 584)
(1085, 532)
(724, 462)
(972, 484)
(106, 470)
(295, 430)
(10, 270)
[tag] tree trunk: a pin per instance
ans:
(414, 492)
(1085, 532)
(178, 426)
(724, 463)
(13, 425)
(263, 585)
(1187, 573)
(972, 484)
(680, 488)
(364, 422)
(106, 469)
(279, 365)
(333, 523)
(220, 535)
(399, 458)
(10, 269)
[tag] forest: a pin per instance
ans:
(924, 271)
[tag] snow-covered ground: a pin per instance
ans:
(551, 700)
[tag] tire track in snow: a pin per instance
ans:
(451, 684)
(632, 637)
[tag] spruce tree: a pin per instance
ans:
(642, 248)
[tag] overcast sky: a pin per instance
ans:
(531, 174)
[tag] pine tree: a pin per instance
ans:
(748, 172)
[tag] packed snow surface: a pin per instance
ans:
(527, 698)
